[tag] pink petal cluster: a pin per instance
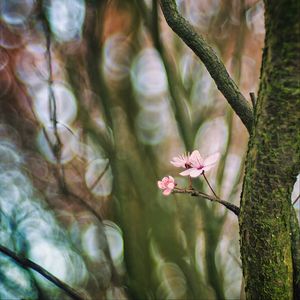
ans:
(194, 165)
(181, 161)
(167, 184)
(198, 165)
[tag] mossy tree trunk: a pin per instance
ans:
(273, 160)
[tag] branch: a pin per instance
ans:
(211, 61)
(295, 201)
(55, 147)
(152, 24)
(195, 193)
(253, 99)
(26, 263)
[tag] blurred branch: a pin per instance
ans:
(88, 124)
(179, 109)
(253, 99)
(214, 65)
(55, 147)
(195, 193)
(94, 36)
(27, 263)
(154, 26)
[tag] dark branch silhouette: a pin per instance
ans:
(27, 263)
(196, 193)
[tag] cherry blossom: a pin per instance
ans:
(199, 165)
(167, 184)
(181, 161)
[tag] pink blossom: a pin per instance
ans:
(181, 161)
(199, 165)
(167, 184)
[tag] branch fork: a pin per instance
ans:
(195, 193)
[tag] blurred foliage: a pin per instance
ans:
(96, 98)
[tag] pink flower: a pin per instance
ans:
(181, 161)
(199, 165)
(167, 184)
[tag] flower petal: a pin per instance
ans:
(212, 159)
(180, 161)
(171, 178)
(196, 159)
(160, 184)
(177, 162)
(165, 180)
(186, 172)
(195, 172)
(207, 168)
(171, 185)
(167, 192)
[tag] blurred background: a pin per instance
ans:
(96, 98)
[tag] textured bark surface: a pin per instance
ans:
(273, 160)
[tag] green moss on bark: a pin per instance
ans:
(273, 159)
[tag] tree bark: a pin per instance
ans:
(273, 160)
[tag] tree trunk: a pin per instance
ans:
(273, 160)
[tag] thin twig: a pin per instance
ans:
(210, 186)
(98, 179)
(295, 201)
(27, 263)
(212, 62)
(195, 193)
(57, 146)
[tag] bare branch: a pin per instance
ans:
(253, 99)
(26, 263)
(295, 201)
(195, 193)
(212, 62)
